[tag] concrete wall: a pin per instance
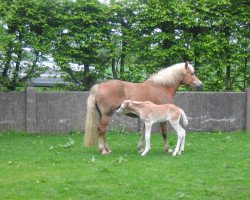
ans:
(248, 109)
(214, 111)
(68, 113)
(51, 112)
(12, 111)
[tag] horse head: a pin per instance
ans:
(190, 79)
(122, 108)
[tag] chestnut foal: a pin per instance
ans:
(151, 113)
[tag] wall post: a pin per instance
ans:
(248, 109)
(30, 110)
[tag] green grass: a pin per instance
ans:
(213, 166)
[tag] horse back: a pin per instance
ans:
(112, 93)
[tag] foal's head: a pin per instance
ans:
(190, 79)
(123, 107)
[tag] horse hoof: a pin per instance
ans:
(104, 152)
(109, 151)
(168, 150)
(143, 154)
(140, 151)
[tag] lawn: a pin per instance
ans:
(213, 166)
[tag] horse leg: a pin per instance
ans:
(140, 145)
(165, 139)
(103, 147)
(183, 139)
(179, 133)
(147, 138)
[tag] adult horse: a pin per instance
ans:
(106, 97)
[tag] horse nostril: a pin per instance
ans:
(199, 87)
(118, 112)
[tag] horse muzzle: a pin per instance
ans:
(199, 87)
(119, 112)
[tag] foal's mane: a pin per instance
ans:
(140, 102)
(171, 76)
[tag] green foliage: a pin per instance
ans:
(24, 41)
(80, 38)
(124, 40)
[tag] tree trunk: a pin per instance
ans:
(126, 26)
(86, 77)
(168, 28)
(31, 71)
(228, 77)
(114, 69)
(123, 56)
(17, 69)
(245, 74)
(8, 60)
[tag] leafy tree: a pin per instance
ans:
(131, 38)
(24, 41)
(81, 36)
(205, 32)
(217, 42)
(121, 38)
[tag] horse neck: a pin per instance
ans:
(172, 89)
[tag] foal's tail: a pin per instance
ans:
(90, 137)
(184, 118)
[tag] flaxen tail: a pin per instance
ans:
(184, 118)
(90, 137)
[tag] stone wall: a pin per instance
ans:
(53, 112)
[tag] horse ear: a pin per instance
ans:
(186, 64)
(127, 102)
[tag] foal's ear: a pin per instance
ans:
(126, 102)
(186, 64)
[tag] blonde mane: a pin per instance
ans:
(171, 76)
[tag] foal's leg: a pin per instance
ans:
(183, 139)
(147, 138)
(165, 139)
(141, 143)
(179, 133)
(103, 147)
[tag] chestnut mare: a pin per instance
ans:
(105, 98)
(150, 114)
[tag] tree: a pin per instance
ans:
(122, 18)
(204, 32)
(125, 39)
(24, 41)
(81, 34)
(218, 42)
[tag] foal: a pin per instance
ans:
(151, 113)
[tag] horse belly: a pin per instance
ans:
(159, 118)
